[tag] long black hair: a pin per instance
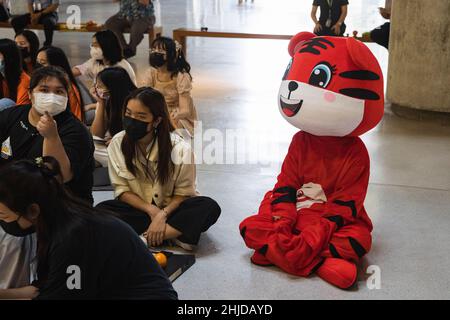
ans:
(112, 50)
(176, 61)
(156, 105)
(120, 85)
(61, 215)
(57, 57)
(33, 40)
(13, 67)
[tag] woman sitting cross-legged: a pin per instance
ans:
(153, 174)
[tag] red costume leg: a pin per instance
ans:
(284, 245)
(346, 247)
(350, 243)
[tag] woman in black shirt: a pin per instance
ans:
(82, 253)
(48, 128)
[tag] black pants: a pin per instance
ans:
(328, 32)
(380, 35)
(194, 216)
(4, 15)
(49, 21)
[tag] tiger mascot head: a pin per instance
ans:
(332, 87)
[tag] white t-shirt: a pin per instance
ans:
(92, 68)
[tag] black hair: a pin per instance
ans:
(13, 67)
(120, 85)
(57, 57)
(176, 61)
(112, 50)
(49, 72)
(33, 40)
(61, 215)
(156, 105)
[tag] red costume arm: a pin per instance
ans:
(345, 204)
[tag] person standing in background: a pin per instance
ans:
(380, 35)
(332, 17)
(139, 16)
(39, 12)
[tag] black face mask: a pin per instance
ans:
(14, 229)
(135, 129)
(25, 53)
(157, 60)
(38, 65)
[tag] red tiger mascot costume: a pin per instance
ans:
(314, 220)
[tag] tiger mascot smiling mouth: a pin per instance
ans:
(314, 220)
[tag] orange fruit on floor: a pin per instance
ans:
(161, 259)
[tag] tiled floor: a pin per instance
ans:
(236, 84)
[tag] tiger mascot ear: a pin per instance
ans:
(360, 54)
(298, 40)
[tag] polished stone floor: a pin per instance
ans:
(235, 89)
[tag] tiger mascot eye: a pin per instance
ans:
(314, 220)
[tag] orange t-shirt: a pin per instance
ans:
(75, 102)
(29, 68)
(22, 89)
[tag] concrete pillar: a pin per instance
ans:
(419, 56)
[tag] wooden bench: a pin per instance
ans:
(182, 33)
(153, 33)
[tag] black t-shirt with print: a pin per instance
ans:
(103, 258)
(336, 10)
(20, 140)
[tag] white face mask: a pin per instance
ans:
(96, 53)
(52, 103)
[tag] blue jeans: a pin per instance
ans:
(6, 103)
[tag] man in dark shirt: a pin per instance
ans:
(332, 17)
